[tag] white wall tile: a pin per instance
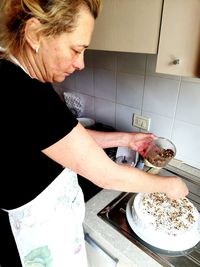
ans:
(172, 102)
(105, 111)
(131, 63)
(160, 96)
(190, 79)
(186, 138)
(188, 108)
(124, 115)
(85, 81)
(160, 125)
(105, 84)
(105, 60)
(130, 89)
(69, 82)
(59, 89)
(88, 58)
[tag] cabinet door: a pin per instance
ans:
(128, 26)
(179, 46)
(97, 256)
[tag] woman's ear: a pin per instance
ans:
(32, 35)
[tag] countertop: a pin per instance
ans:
(109, 238)
(116, 244)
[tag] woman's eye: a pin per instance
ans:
(77, 52)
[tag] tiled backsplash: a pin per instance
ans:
(113, 86)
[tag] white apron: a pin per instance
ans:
(48, 230)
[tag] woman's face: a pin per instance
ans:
(60, 56)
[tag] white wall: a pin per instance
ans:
(114, 86)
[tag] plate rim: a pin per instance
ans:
(157, 243)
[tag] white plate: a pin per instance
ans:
(170, 243)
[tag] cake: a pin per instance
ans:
(165, 223)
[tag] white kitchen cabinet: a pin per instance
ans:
(179, 45)
(168, 28)
(128, 26)
(97, 256)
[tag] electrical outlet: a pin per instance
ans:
(141, 122)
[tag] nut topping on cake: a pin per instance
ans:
(170, 216)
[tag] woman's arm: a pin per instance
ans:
(79, 152)
(136, 141)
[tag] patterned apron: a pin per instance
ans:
(48, 230)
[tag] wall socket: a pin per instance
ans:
(141, 122)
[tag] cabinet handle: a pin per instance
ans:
(176, 61)
(99, 249)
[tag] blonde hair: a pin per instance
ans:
(55, 16)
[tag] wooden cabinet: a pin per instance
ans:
(179, 45)
(168, 28)
(128, 26)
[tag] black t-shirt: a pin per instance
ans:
(33, 117)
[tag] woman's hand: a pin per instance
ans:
(140, 141)
(177, 188)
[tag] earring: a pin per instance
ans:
(37, 49)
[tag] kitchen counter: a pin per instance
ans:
(110, 239)
(115, 243)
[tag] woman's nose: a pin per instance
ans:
(78, 63)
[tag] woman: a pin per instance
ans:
(44, 146)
